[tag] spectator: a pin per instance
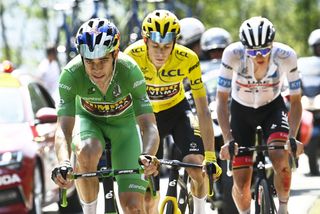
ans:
(49, 71)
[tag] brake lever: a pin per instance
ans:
(293, 146)
(231, 149)
(211, 170)
(63, 192)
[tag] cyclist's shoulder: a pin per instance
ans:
(233, 53)
(235, 48)
(183, 53)
(74, 67)
(125, 61)
(283, 51)
(136, 49)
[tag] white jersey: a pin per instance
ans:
(237, 73)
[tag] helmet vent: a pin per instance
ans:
(157, 26)
(107, 43)
(98, 38)
(115, 42)
(166, 27)
(109, 32)
(89, 41)
(90, 23)
(100, 24)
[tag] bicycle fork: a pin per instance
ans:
(108, 184)
(170, 201)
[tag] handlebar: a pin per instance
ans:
(63, 192)
(102, 173)
(293, 160)
(210, 169)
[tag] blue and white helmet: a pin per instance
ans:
(97, 37)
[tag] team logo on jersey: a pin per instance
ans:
(163, 92)
(91, 90)
(171, 73)
(193, 147)
(104, 109)
(181, 55)
(137, 50)
(194, 66)
(116, 91)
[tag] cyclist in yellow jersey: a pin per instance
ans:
(165, 64)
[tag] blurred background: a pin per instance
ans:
(28, 26)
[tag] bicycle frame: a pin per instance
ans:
(170, 200)
(106, 175)
(263, 193)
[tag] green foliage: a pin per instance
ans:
(293, 20)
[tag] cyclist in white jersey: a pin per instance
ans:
(254, 71)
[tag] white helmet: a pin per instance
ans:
(256, 32)
(191, 30)
(214, 38)
(314, 37)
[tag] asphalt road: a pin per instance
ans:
(305, 190)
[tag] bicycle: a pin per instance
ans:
(174, 203)
(263, 191)
(106, 176)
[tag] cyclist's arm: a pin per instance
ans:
(64, 137)
(66, 112)
(205, 123)
(223, 115)
(229, 62)
(295, 114)
(149, 132)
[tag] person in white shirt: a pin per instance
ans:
(49, 71)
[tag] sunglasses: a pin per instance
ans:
(262, 51)
(156, 37)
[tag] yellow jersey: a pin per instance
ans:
(165, 86)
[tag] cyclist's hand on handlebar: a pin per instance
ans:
(150, 164)
(299, 148)
(59, 175)
(224, 152)
(210, 158)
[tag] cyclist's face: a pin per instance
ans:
(99, 70)
(159, 53)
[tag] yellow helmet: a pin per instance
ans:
(161, 26)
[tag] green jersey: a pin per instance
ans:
(111, 115)
(125, 97)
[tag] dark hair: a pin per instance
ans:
(51, 50)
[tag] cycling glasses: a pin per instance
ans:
(262, 51)
(156, 37)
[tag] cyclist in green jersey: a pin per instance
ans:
(103, 96)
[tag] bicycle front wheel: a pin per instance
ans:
(264, 203)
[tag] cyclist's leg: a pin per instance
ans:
(165, 121)
(276, 129)
(190, 144)
(243, 126)
(126, 146)
(87, 146)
